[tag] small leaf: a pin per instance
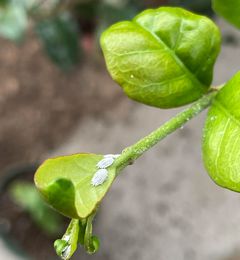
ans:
(65, 183)
(91, 243)
(229, 9)
(13, 22)
(221, 138)
(164, 57)
(59, 36)
(66, 246)
(79, 231)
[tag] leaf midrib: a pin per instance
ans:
(178, 60)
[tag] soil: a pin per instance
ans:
(39, 104)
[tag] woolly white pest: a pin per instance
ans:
(114, 156)
(105, 162)
(99, 177)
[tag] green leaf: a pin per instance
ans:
(66, 246)
(91, 243)
(79, 231)
(28, 198)
(65, 183)
(221, 138)
(59, 36)
(164, 57)
(229, 9)
(13, 22)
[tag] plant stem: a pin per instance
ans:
(131, 153)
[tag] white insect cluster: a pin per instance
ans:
(101, 174)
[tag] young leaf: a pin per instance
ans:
(221, 138)
(59, 36)
(91, 243)
(66, 184)
(66, 246)
(79, 232)
(229, 9)
(163, 57)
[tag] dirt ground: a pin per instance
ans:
(40, 105)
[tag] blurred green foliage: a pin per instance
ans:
(59, 36)
(26, 196)
(13, 21)
(61, 24)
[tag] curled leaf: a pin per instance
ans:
(164, 57)
(66, 184)
(221, 137)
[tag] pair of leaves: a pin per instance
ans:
(78, 232)
(59, 35)
(163, 57)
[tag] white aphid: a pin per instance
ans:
(114, 156)
(105, 162)
(99, 177)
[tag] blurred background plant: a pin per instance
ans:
(67, 27)
(26, 197)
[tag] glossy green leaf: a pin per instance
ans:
(59, 36)
(13, 22)
(164, 57)
(66, 246)
(221, 138)
(65, 183)
(229, 9)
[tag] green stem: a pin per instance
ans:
(131, 153)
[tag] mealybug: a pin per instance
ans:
(99, 177)
(105, 162)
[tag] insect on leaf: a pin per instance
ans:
(66, 184)
(164, 57)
